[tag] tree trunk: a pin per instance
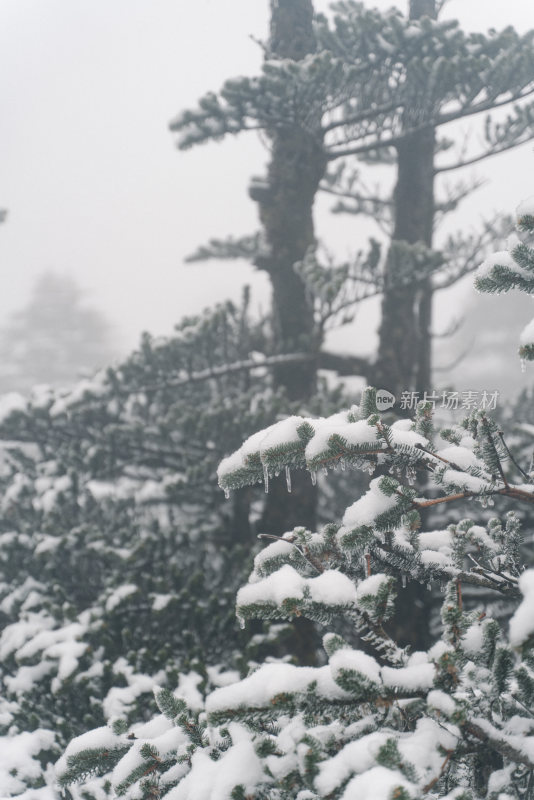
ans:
(423, 378)
(404, 353)
(286, 212)
(297, 165)
(286, 207)
(400, 335)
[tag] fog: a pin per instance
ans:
(93, 183)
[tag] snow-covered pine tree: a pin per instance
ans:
(374, 722)
(382, 88)
(119, 557)
(316, 106)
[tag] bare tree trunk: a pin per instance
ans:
(296, 167)
(400, 334)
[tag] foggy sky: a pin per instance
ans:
(94, 185)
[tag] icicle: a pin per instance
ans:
(404, 580)
(266, 478)
(313, 477)
(325, 470)
(443, 586)
(491, 501)
(227, 494)
(429, 586)
(523, 365)
(241, 622)
(344, 466)
(288, 479)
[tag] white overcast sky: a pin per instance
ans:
(88, 169)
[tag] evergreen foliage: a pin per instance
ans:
(351, 94)
(377, 722)
(119, 556)
(374, 721)
(514, 269)
(125, 553)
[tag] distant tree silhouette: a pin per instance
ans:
(54, 338)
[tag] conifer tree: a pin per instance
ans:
(118, 553)
(426, 74)
(381, 88)
(54, 339)
(376, 721)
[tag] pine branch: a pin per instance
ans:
(489, 735)
(369, 147)
(360, 198)
(494, 452)
(363, 116)
(494, 151)
(389, 557)
(480, 108)
(462, 254)
(511, 457)
(305, 555)
(243, 247)
(345, 364)
(226, 369)
(509, 491)
(375, 635)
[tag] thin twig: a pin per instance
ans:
(433, 782)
